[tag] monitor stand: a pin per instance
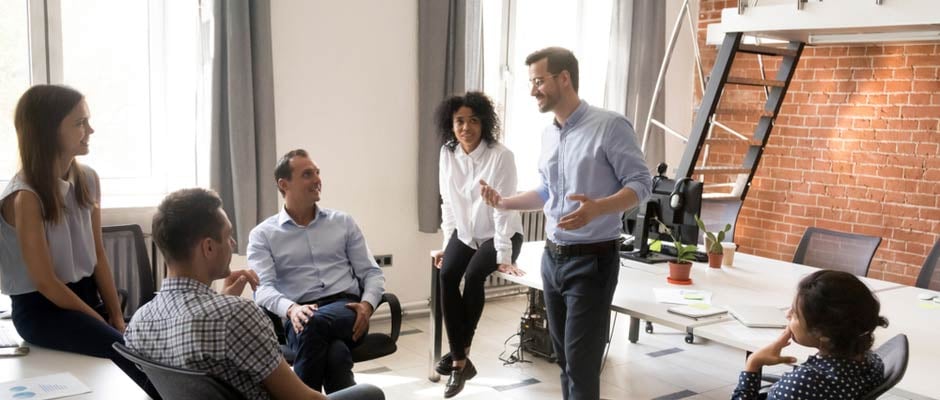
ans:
(646, 220)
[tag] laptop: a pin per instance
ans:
(759, 316)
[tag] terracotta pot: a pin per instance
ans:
(679, 271)
(714, 259)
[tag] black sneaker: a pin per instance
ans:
(458, 378)
(445, 365)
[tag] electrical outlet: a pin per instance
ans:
(384, 260)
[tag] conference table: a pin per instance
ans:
(105, 379)
(751, 280)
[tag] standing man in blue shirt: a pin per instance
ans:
(316, 271)
(591, 171)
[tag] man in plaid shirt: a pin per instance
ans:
(188, 325)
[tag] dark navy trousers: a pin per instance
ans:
(578, 292)
(324, 361)
(42, 323)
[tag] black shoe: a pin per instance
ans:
(457, 379)
(445, 365)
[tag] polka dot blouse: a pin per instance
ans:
(818, 378)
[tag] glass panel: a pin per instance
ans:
(106, 56)
(14, 78)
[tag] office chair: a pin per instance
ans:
(894, 353)
(841, 251)
(180, 383)
(372, 346)
(130, 265)
(929, 277)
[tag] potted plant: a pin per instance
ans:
(681, 267)
(713, 243)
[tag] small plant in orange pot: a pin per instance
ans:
(713, 243)
(681, 268)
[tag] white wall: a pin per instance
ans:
(345, 89)
(680, 79)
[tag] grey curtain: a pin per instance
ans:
(441, 72)
(242, 117)
(638, 31)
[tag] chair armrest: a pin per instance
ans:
(395, 310)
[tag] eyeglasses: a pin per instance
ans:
(539, 81)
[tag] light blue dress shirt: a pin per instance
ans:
(595, 154)
(304, 263)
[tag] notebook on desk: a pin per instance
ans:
(759, 316)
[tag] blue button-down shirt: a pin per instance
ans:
(298, 263)
(595, 154)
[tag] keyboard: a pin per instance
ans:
(8, 337)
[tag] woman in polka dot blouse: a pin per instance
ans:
(836, 313)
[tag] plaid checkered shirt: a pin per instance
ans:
(189, 325)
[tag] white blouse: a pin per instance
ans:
(463, 208)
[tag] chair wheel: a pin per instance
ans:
(689, 338)
(649, 327)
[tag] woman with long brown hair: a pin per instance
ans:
(52, 260)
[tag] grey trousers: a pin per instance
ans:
(578, 292)
(362, 391)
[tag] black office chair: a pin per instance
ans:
(373, 346)
(894, 353)
(929, 277)
(130, 265)
(180, 383)
(841, 251)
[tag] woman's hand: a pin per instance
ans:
(510, 269)
(438, 258)
(770, 354)
(117, 321)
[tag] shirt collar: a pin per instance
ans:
(283, 217)
(574, 117)
(476, 154)
(184, 284)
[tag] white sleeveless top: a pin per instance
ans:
(71, 242)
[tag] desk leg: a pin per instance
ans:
(634, 330)
(435, 318)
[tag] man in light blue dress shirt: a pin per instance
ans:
(316, 271)
(591, 171)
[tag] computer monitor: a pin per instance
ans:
(641, 221)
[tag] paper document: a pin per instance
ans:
(43, 387)
(682, 296)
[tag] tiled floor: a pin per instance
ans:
(659, 366)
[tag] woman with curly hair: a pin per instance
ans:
(836, 313)
(477, 239)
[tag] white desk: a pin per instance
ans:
(105, 379)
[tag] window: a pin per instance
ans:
(14, 78)
(512, 29)
(138, 64)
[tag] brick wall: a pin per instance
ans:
(854, 148)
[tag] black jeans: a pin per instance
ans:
(462, 312)
(578, 291)
(42, 323)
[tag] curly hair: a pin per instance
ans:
(838, 306)
(482, 107)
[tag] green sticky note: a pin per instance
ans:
(693, 296)
(656, 246)
(700, 306)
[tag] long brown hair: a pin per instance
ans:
(39, 114)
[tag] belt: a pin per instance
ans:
(581, 249)
(332, 298)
